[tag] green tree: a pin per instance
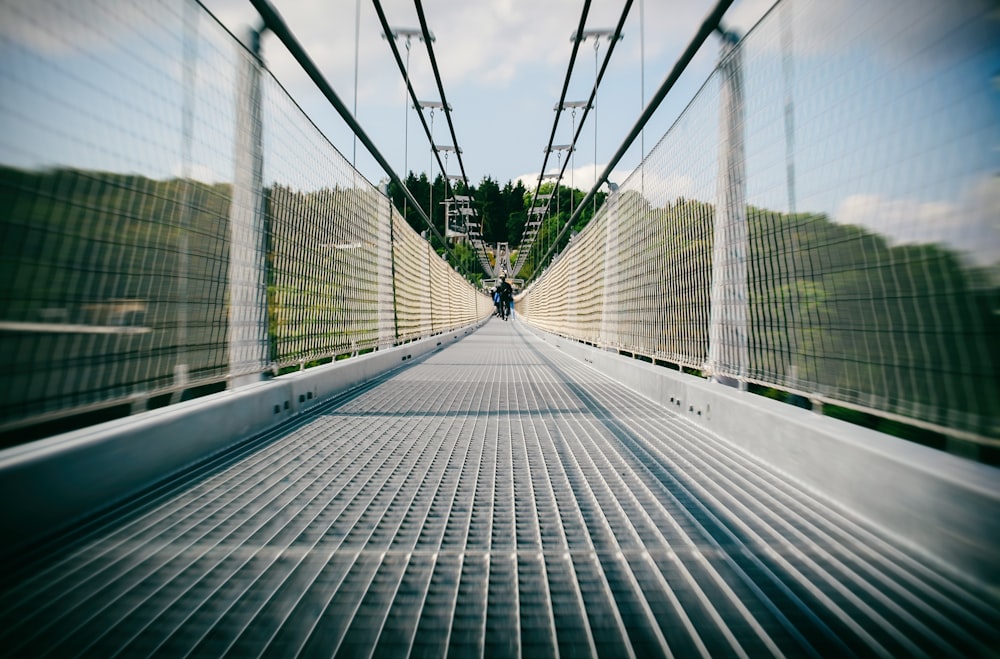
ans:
(491, 211)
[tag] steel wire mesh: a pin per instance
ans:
(113, 245)
(323, 221)
(864, 151)
(171, 220)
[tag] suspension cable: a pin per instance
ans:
(578, 39)
(522, 254)
(480, 246)
(444, 105)
(583, 119)
(276, 24)
(440, 86)
(413, 95)
(710, 24)
(615, 38)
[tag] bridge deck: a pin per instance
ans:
(495, 497)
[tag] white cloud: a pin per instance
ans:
(661, 189)
(971, 224)
(67, 28)
(502, 62)
(200, 172)
(581, 178)
(931, 32)
(487, 42)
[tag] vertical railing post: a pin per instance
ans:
(248, 337)
(427, 304)
(182, 365)
(387, 330)
(609, 308)
(728, 351)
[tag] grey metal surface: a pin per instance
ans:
(496, 498)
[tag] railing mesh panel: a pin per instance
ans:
(323, 228)
(413, 318)
(119, 156)
(864, 166)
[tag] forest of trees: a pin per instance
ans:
(913, 325)
(76, 246)
(502, 212)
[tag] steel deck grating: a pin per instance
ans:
(495, 498)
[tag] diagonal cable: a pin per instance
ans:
(480, 246)
(402, 70)
(444, 103)
(276, 24)
(409, 86)
(562, 96)
(440, 86)
(583, 119)
(709, 25)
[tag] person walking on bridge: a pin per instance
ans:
(495, 296)
(506, 293)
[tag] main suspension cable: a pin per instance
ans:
(480, 246)
(276, 24)
(440, 86)
(587, 107)
(562, 96)
(710, 24)
(402, 70)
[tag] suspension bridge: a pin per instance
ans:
(753, 415)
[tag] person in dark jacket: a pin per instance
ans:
(495, 296)
(506, 293)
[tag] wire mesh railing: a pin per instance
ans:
(821, 219)
(171, 222)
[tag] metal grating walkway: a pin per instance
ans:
(497, 499)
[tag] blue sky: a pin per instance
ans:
(67, 67)
(897, 121)
(502, 63)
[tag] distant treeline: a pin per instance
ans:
(835, 309)
(502, 213)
